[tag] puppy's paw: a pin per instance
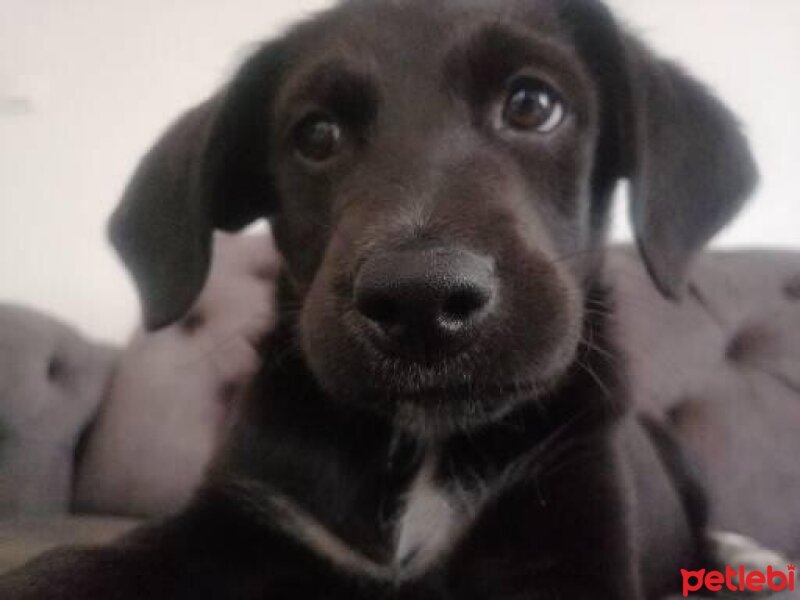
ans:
(734, 550)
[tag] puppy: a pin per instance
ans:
(442, 411)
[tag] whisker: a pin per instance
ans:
(603, 387)
(572, 255)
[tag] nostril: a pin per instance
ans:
(424, 300)
(378, 307)
(462, 304)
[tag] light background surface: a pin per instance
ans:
(87, 85)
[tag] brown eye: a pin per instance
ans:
(318, 138)
(533, 105)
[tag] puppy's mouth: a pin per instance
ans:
(495, 392)
(441, 334)
(447, 392)
(435, 411)
(464, 380)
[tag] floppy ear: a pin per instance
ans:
(689, 165)
(208, 171)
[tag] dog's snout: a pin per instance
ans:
(425, 302)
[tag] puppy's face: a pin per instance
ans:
(432, 167)
(439, 175)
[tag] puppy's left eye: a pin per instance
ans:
(533, 105)
(318, 138)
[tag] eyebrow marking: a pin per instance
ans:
(512, 44)
(346, 89)
(484, 60)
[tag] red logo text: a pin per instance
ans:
(739, 580)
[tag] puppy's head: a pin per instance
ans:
(438, 174)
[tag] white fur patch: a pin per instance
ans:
(305, 528)
(431, 524)
(278, 510)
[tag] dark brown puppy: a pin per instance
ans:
(441, 412)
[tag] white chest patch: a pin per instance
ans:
(432, 521)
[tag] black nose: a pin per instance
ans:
(426, 302)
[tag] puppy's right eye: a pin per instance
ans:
(533, 105)
(318, 138)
